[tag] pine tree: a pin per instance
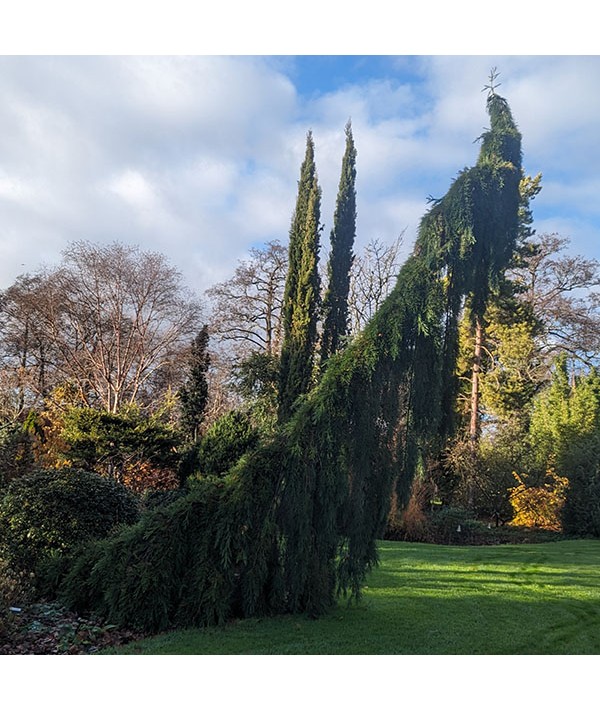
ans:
(193, 395)
(335, 305)
(301, 296)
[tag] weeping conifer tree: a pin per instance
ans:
(335, 302)
(385, 402)
(301, 294)
(296, 522)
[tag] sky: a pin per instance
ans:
(184, 133)
(198, 157)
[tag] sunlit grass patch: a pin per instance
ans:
(428, 599)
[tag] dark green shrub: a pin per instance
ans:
(581, 512)
(257, 381)
(107, 442)
(225, 442)
(188, 462)
(449, 524)
(209, 556)
(16, 589)
(51, 511)
(16, 455)
(152, 499)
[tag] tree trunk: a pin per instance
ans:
(474, 424)
(474, 428)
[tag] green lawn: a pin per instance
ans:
(428, 599)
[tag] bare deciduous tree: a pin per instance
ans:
(111, 317)
(559, 288)
(247, 307)
(372, 277)
(25, 354)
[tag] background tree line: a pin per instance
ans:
(109, 345)
(109, 349)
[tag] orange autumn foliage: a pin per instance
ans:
(138, 476)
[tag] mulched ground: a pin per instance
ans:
(48, 628)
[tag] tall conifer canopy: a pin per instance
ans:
(382, 403)
(301, 296)
(335, 302)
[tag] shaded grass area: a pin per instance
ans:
(430, 599)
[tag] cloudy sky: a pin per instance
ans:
(198, 156)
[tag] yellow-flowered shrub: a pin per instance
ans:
(539, 506)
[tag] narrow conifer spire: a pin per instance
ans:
(301, 296)
(335, 303)
(193, 394)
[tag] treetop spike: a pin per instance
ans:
(491, 87)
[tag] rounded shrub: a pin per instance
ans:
(51, 511)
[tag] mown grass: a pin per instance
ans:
(429, 599)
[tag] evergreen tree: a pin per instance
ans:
(193, 395)
(565, 414)
(501, 302)
(301, 296)
(335, 305)
(565, 438)
(382, 405)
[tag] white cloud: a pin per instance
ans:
(134, 189)
(199, 157)
(16, 190)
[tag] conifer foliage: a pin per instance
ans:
(193, 394)
(301, 296)
(296, 521)
(335, 303)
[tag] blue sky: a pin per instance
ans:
(198, 156)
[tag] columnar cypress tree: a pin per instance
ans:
(301, 296)
(193, 395)
(335, 303)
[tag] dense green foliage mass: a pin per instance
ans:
(565, 436)
(52, 511)
(16, 456)
(295, 523)
(257, 380)
(203, 559)
(105, 442)
(225, 442)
